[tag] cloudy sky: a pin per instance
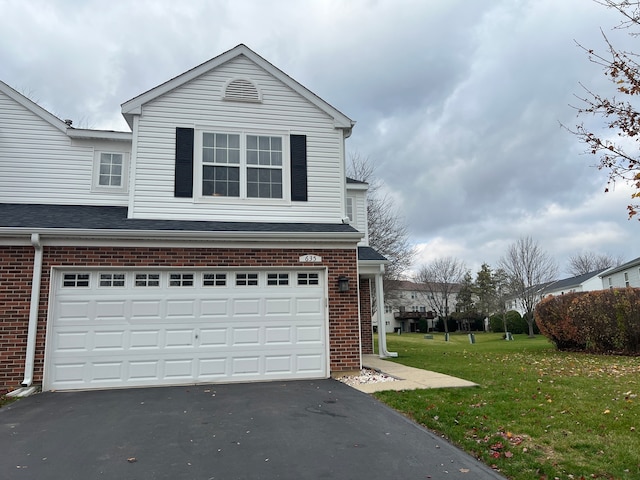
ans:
(458, 103)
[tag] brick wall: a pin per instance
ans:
(16, 270)
(365, 315)
(15, 292)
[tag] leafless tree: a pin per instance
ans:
(440, 281)
(388, 233)
(528, 269)
(587, 262)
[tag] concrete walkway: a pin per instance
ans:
(409, 378)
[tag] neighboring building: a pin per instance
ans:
(217, 241)
(408, 303)
(580, 283)
(626, 275)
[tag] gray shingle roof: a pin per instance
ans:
(115, 218)
(368, 253)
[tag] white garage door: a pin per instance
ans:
(150, 327)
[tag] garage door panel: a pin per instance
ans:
(107, 372)
(145, 310)
(246, 365)
(76, 341)
(246, 336)
(310, 363)
(179, 338)
(214, 308)
(308, 306)
(278, 335)
(213, 337)
(148, 335)
(245, 306)
(278, 364)
(144, 369)
(278, 306)
(309, 334)
(178, 369)
(74, 310)
(109, 340)
(145, 339)
(177, 309)
(111, 310)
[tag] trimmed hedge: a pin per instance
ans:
(516, 323)
(603, 321)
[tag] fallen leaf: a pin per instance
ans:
(132, 459)
(464, 470)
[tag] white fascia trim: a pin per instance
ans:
(369, 268)
(252, 237)
(100, 134)
(357, 186)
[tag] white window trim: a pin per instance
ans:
(242, 199)
(95, 183)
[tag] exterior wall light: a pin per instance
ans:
(343, 283)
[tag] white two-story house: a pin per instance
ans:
(217, 241)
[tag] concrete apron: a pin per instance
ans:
(409, 378)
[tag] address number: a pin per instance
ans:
(310, 259)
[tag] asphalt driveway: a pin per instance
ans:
(281, 430)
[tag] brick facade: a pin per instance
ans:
(365, 315)
(16, 270)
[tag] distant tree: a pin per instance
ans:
(620, 115)
(440, 280)
(528, 268)
(464, 299)
(485, 291)
(587, 262)
(388, 233)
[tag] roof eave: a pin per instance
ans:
(324, 237)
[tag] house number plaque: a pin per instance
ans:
(310, 259)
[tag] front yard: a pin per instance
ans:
(538, 413)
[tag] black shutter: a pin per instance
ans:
(184, 163)
(298, 148)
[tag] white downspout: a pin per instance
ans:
(33, 311)
(382, 332)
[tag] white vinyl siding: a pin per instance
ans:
(41, 164)
(359, 221)
(200, 105)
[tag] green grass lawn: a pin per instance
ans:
(538, 413)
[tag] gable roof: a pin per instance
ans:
(33, 107)
(134, 106)
(567, 283)
(621, 268)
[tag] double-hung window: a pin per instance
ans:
(242, 165)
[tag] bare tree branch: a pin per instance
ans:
(621, 116)
(388, 233)
(440, 280)
(587, 262)
(528, 268)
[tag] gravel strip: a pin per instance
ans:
(366, 376)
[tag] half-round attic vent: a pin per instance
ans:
(242, 90)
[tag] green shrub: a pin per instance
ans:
(515, 322)
(604, 321)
